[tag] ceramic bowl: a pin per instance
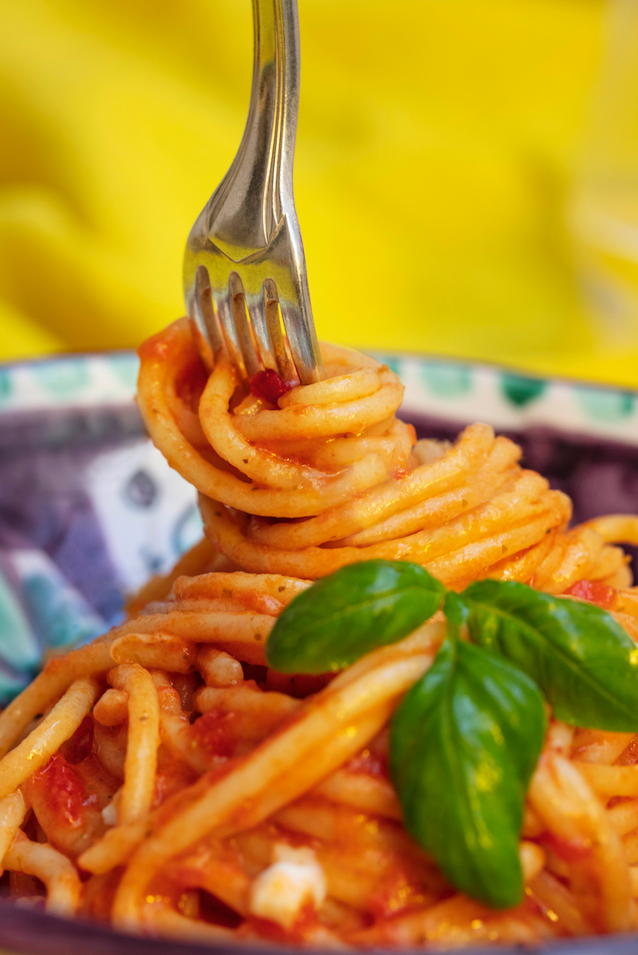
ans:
(89, 510)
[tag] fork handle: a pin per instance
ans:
(258, 188)
(275, 100)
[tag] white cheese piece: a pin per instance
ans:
(109, 815)
(281, 891)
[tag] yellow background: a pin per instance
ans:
(436, 143)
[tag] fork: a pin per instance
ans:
(244, 261)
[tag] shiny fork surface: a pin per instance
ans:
(244, 256)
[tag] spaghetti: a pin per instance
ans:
(332, 477)
(166, 780)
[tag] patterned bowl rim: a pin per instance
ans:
(452, 389)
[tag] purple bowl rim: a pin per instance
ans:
(34, 932)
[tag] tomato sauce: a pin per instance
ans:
(305, 925)
(172, 776)
(629, 756)
(394, 895)
(61, 787)
(216, 732)
(80, 745)
(567, 849)
(594, 592)
(269, 386)
(370, 763)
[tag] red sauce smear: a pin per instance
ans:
(393, 895)
(628, 757)
(80, 746)
(65, 791)
(269, 385)
(401, 473)
(191, 382)
(215, 732)
(368, 763)
(594, 592)
(172, 776)
(305, 922)
(566, 849)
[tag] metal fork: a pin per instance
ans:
(244, 258)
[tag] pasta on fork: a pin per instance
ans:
(330, 476)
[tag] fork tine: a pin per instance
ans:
(204, 304)
(303, 344)
(196, 314)
(284, 365)
(257, 315)
(224, 310)
(242, 325)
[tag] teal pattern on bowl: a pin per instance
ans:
(510, 400)
(18, 646)
(519, 390)
(5, 386)
(446, 381)
(69, 381)
(606, 405)
(65, 378)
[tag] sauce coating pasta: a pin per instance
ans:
(166, 780)
(332, 477)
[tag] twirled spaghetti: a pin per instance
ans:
(166, 780)
(332, 477)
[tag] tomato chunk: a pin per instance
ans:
(63, 789)
(67, 801)
(269, 385)
(594, 592)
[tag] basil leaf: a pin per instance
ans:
(456, 612)
(349, 613)
(463, 745)
(585, 662)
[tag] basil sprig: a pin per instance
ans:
(466, 738)
(463, 745)
(584, 662)
(349, 613)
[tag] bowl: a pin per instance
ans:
(89, 510)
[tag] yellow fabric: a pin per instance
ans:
(436, 139)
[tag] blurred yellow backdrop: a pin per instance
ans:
(436, 142)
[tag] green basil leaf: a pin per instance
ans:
(347, 614)
(585, 662)
(455, 610)
(463, 745)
